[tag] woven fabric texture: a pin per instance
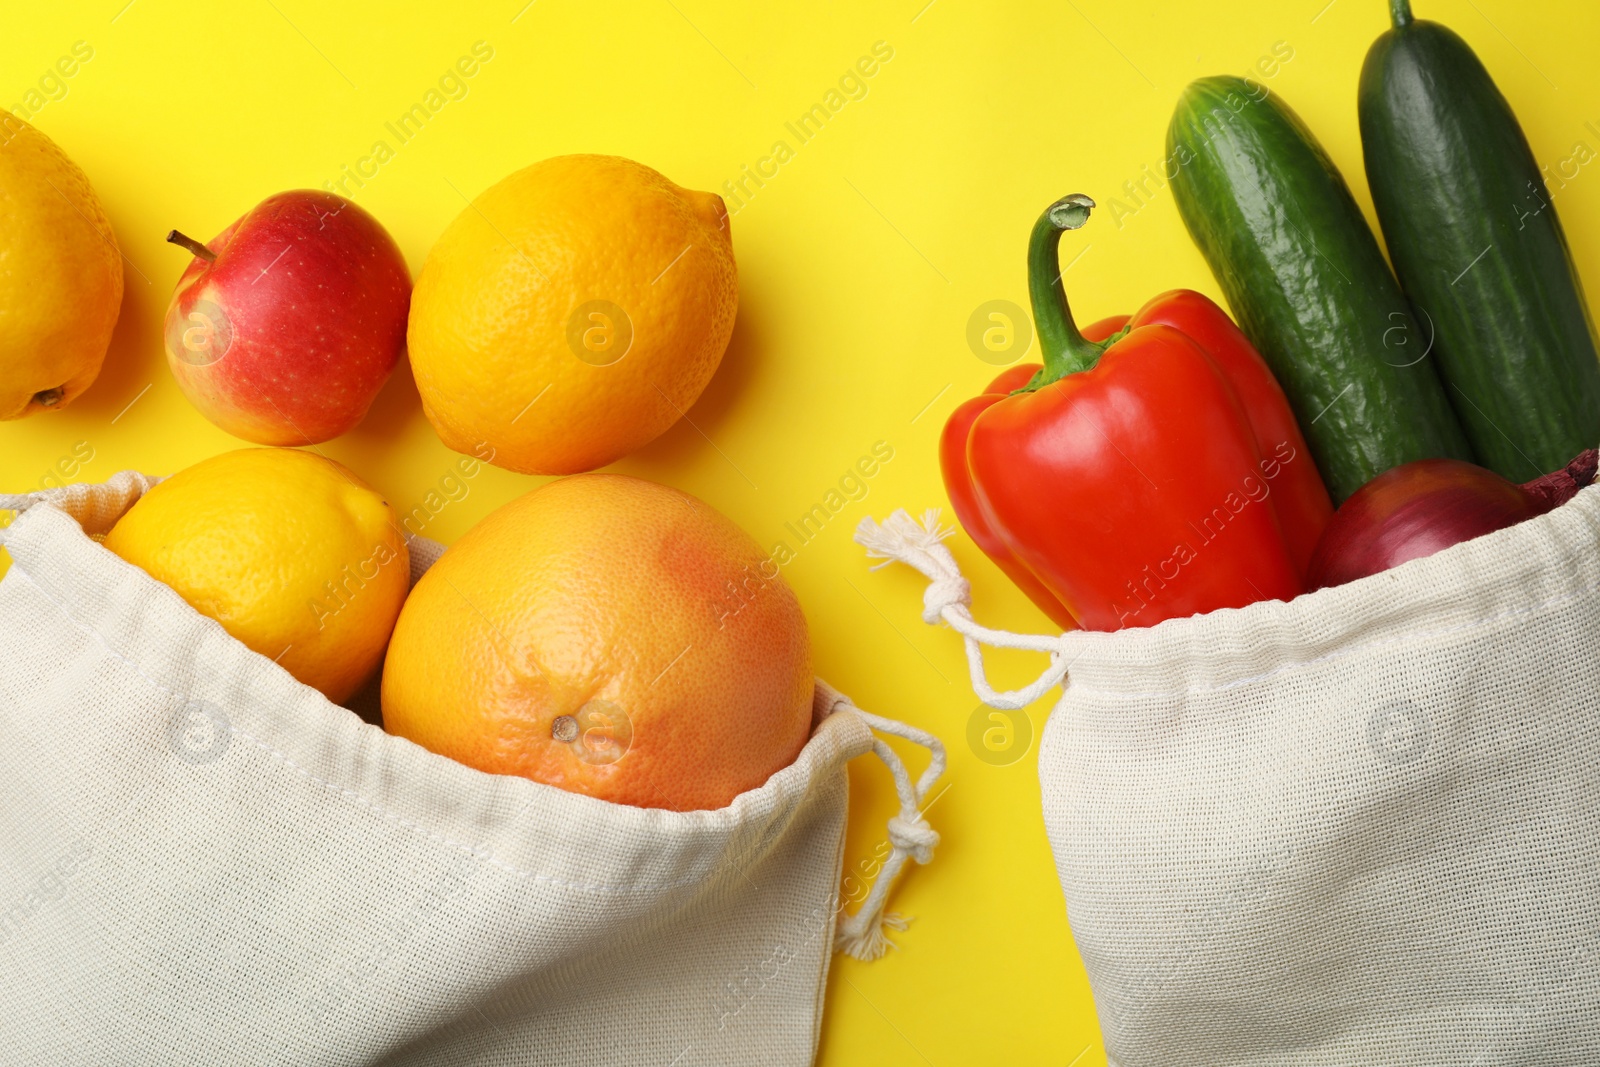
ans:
(1359, 827)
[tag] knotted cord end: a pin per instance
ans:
(944, 593)
(869, 942)
(900, 537)
(861, 935)
(913, 836)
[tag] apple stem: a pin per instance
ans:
(185, 241)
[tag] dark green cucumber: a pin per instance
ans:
(1307, 282)
(1479, 250)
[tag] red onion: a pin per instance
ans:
(1418, 508)
(1558, 488)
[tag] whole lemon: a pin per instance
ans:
(572, 313)
(609, 636)
(60, 274)
(292, 553)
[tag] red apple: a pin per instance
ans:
(288, 322)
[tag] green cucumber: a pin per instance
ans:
(1307, 282)
(1479, 250)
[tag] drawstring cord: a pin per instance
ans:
(861, 936)
(901, 539)
(948, 598)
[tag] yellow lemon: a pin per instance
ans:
(60, 274)
(292, 553)
(572, 313)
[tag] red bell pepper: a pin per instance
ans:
(963, 495)
(1150, 474)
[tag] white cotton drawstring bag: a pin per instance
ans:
(1360, 827)
(204, 861)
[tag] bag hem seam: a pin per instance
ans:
(1474, 624)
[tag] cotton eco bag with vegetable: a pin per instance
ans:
(208, 861)
(1357, 825)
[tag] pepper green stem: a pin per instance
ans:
(1066, 351)
(1400, 11)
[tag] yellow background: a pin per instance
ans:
(861, 262)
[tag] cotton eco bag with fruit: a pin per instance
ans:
(1352, 825)
(205, 856)
(603, 825)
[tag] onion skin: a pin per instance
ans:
(1415, 510)
(1558, 488)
